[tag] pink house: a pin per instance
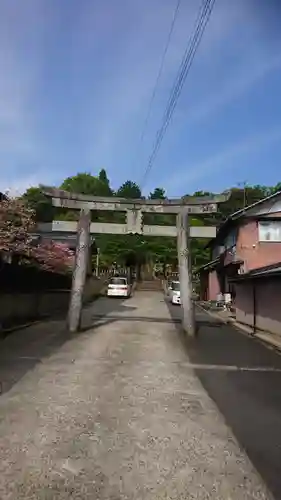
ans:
(246, 262)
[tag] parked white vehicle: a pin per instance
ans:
(118, 287)
(174, 293)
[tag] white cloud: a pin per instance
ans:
(223, 160)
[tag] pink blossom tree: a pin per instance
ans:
(56, 257)
(17, 221)
(16, 225)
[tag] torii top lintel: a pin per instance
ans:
(192, 204)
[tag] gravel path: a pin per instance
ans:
(117, 413)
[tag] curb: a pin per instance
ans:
(6, 331)
(262, 337)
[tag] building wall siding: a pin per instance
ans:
(256, 254)
(244, 304)
(268, 310)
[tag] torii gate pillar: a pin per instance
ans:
(185, 275)
(80, 271)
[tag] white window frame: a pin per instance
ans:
(270, 231)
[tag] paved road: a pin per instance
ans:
(243, 378)
(117, 412)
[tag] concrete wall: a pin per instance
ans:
(253, 252)
(18, 308)
(268, 310)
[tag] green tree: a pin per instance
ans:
(275, 188)
(158, 194)
(85, 183)
(103, 177)
(240, 198)
(201, 193)
(129, 190)
(136, 248)
(41, 204)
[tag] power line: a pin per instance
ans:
(201, 22)
(187, 60)
(160, 71)
(186, 63)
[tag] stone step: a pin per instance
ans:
(149, 285)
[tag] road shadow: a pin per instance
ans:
(243, 378)
(22, 349)
(105, 320)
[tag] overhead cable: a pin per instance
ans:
(160, 71)
(186, 63)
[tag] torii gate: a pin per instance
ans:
(134, 209)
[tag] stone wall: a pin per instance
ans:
(18, 308)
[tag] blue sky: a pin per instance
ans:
(76, 78)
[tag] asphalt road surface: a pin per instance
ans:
(128, 410)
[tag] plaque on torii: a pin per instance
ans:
(134, 221)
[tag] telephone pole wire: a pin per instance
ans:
(160, 71)
(187, 60)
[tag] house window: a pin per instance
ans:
(270, 231)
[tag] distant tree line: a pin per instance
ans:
(129, 249)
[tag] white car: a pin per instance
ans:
(119, 287)
(174, 293)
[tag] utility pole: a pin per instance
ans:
(80, 271)
(185, 275)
